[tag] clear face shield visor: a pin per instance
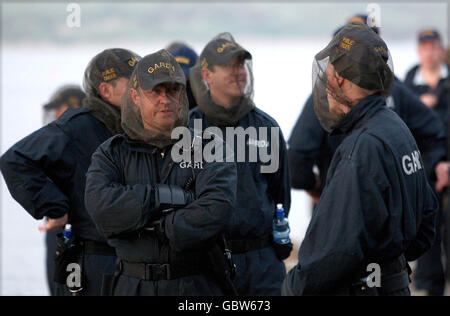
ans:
(322, 109)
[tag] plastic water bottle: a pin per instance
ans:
(67, 233)
(280, 226)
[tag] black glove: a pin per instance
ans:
(169, 196)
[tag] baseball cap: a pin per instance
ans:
(429, 35)
(361, 56)
(70, 95)
(186, 57)
(108, 65)
(220, 50)
(157, 68)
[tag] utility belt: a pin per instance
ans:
(394, 277)
(215, 263)
(98, 248)
(245, 245)
(157, 271)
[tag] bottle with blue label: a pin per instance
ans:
(280, 226)
(67, 233)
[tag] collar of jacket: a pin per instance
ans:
(360, 113)
(141, 146)
(221, 116)
(105, 112)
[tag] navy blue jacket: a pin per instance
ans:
(376, 204)
(45, 171)
(310, 145)
(120, 197)
(257, 193)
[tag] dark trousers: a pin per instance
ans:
(259, 273)
(95, 268)
(429, 273)
(50, 243)
(446, 238)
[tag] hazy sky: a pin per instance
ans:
(137, 21)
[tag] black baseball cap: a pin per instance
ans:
(70, 95)
(116, 62)
(108, 65)
(220, 50)
(429, 35)
(157, 68)
(186, 57)
(361, 56)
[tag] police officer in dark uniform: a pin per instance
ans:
(222, 82)
(377, 210)
(163, 216)
(428, 78)
(45, 172)
(67, 96)
(309, 144)
(430, 82)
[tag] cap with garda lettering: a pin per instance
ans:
(108, 65)
(157, 68)
(220, 50)
(357, 54)
(361, 56)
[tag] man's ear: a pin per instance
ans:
(105, 90)
(340, 80)
(134, 96)
(206, 74)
